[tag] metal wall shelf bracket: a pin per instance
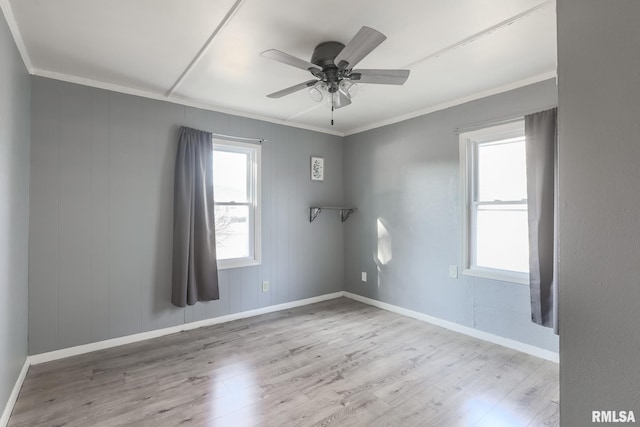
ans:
(345, 213)
(313, 213)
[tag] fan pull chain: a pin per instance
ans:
(333, 100)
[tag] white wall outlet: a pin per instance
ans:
(453, 271)
(363, 276)
(265, 286)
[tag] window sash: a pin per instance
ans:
(474, 166)
(252, 228)
(473, 232)
(476, 203)
(250, 204)
(250, 179)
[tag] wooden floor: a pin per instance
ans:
(338, 362)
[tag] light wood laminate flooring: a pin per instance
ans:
(338, 362)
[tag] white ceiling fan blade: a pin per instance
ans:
(360, 46)
(292, 89)
(382, 77)
(285, 58)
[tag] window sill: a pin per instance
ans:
(500, 275)
(226, 264)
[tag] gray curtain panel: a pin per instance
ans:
(541, 141)
(195, 272)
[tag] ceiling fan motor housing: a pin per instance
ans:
(325, 53)
(323, 56)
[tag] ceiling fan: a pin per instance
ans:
(332, 68)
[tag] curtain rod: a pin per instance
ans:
(503, 121)
(240, 138)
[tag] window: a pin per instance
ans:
(495, 228)
(236, 187)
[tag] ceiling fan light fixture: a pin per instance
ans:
(349, 88)
(318, 91)
(338, 99)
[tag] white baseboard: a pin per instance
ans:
(8, 408)
(475, 333)
(114, 342)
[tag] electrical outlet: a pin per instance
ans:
(363, 276)
(265, 286)
(453, 271)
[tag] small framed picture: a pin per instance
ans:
(317, 168)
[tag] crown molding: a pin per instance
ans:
(5, 6)
(473, 97)
(175, 100)
(286, 122)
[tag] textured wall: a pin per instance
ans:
(101, 222)
(14, 210)
(599, 120)
(404, 178)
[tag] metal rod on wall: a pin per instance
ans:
(239, 138)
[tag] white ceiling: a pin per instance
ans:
(457, 50)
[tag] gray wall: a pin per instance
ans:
(14, 211)
(406, 176)
(599, 114)
(101, 217)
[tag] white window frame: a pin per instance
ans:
(468, 154)
(255, 222)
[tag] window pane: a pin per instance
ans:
(230, 176)
(502, 171)
(232, 232)
(502, 239)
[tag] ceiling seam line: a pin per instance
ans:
(481, 34)
(205, 46)
(303, 112)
